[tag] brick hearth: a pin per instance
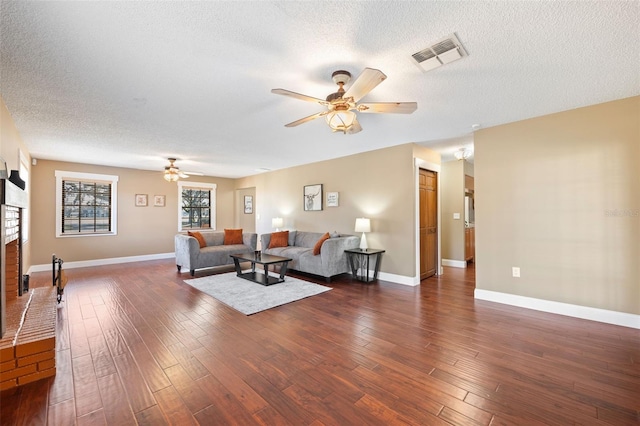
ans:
(27, 351)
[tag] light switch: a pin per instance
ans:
(456, 215)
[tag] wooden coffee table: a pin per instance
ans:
(258, 258)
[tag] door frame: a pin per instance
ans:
(433, 167)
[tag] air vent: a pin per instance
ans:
(442, 52)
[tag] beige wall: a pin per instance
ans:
(452, 196)
(559, 197)
(245, 221)
(10, 146)
(378, 184)
(141, 230)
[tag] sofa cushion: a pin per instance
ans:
(292, 238)
(279, 239)
(307, 239)
(318, 246)
(198, 236)
(232, 236)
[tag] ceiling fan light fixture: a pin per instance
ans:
(462, 154)
(340, 121)
(171, 176)
(341, 106)
(172, 173)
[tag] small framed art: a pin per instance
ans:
(159, 200)
(248, 204)
(142, 200)
(332, 199)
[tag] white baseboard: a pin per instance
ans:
(398, 279)
(100, 262)
(454, 263)
(585, 312)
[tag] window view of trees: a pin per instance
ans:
(86, 207)
(196, 208)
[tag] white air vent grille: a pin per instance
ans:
(423, 55)
(442, 52)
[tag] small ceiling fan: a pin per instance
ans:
(341, 105)
(172, 172)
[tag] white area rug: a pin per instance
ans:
(249, 297)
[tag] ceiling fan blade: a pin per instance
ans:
(182, 174)
(388, 107)
(299, 96)
(366, 81)
(355, 127)
(304, 120)
(193, 173)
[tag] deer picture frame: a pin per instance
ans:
(312, 197)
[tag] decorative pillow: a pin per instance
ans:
(232, 236)
(279, 239)
(318, 246)
(198, 236)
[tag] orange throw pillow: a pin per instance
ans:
(279, 239)
(198, 236)
(232, 236)
(318, 246)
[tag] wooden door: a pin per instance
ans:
(428, 185)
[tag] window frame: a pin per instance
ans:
(211, 187)
(90, 177)
(26, 177)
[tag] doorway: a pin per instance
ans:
(428, 212)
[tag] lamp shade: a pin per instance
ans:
(340, 121)
(277, 222)
(170, 176)
(363, 225)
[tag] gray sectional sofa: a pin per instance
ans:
(331, 261)
(189, 255)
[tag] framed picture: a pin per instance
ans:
(332, 199)
(159, 200)
(312, 197)
(248, 204)
(142, 200)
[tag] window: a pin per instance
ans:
(86, 204)
(196, 204)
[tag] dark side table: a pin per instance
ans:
(360, 259)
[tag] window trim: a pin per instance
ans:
(198, 185)
(64, 175)
(26, 212)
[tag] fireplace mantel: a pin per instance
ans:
(13, 196)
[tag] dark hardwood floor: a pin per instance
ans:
(136, 345)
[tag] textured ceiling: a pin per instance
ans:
(131, 83)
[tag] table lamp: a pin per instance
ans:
(363, 225)
(277, 222)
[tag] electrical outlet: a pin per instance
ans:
(515, 271)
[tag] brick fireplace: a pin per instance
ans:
(13, 254)
(27, 319)
(13, 199)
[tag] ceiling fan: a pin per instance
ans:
(341, 105)
(172, 172)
